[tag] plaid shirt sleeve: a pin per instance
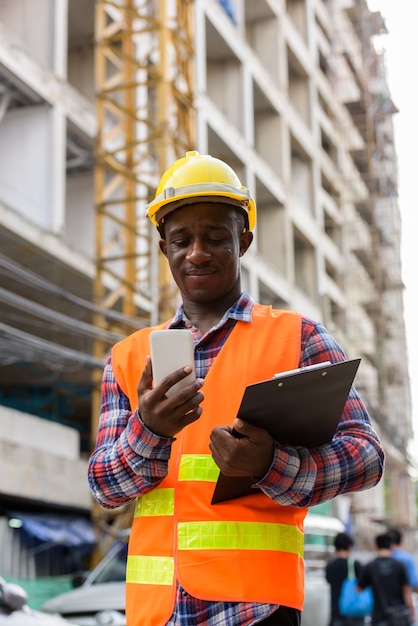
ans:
(128, 459)
(352, 461)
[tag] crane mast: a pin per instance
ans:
(144, 58)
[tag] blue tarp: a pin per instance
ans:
(62, 530)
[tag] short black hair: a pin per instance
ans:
(343, 541)
(383, 541)
(396, 536)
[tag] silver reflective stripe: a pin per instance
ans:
(200, 189)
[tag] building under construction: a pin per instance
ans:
(96, 99)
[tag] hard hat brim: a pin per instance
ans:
(170, 207)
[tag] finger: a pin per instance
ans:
(191, 416)
(166, 416)
(173, 378)
(187, 400)
(174, 420)
(145, 381)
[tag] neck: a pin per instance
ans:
(204, 315)
(384, 552)
(202, 318)
(344, 554)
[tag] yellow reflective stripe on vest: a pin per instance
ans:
(240, 536)
(198, 467)
(157, 502)
(150, 570)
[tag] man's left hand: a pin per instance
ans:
(248, 454)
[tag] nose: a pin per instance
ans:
(198, 252)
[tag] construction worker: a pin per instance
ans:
(240, 561)
(406, 558)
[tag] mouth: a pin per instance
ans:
(201, 279)
(200, 273)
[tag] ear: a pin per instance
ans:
(163, 246)
(245, 242)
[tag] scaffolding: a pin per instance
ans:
(144, 59)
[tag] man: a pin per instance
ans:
(403, 556)
(336, 572)
(388, 580)
(239, 562)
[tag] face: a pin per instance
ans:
(203, 244)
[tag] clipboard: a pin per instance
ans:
(299, 408)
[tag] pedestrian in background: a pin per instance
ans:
(388, 580)
(336, 572)
(403, 556)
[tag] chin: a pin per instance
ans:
(203, 296)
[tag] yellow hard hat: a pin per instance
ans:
(200, 177)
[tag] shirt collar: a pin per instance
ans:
(241, 311)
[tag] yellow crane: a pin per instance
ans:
(144, 59)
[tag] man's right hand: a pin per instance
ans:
(168, 416)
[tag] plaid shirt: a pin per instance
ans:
(129, 460)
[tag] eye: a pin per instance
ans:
(217, 239)
(180, 243)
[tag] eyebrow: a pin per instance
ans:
(182, 229)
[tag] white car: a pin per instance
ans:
(101, 597)
(14, 610)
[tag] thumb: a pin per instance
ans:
(243, 428)
(253, 433)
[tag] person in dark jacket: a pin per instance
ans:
(388, 580)
(336, 572)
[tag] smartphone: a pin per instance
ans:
(170, 350)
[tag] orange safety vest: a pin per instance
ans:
(245, 550)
